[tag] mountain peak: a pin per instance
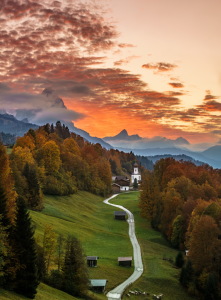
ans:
(123, 135)
(181, 141)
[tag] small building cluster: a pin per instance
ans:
(124, 184)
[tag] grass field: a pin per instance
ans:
(86, 216)
(89, 219)
(44, 293)
(159, 277)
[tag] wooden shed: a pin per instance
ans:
(98, 285)
(92, 261)
(116, 188)
(120, 215)
(125, 261)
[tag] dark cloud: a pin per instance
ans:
(36, 108)
(176, 84)
(56, 45)
(160, 67)
(212, 105)
(209, 96)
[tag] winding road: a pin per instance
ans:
(117, 292)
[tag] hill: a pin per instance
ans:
(213, 152)
(45, 292)
(86, 216)
(9, 124)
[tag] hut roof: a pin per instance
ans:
(120, 213)
(129, 258)
(92, 257)
(98, 282)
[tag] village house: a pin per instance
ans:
(121, 184)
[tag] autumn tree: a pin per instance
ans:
(49, 156)
(7, 184)
(204, 244)
(49, 242)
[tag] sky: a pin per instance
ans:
(152, 67)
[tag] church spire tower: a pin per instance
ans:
(136, 174)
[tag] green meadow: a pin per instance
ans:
(86, 216)
(159, 276)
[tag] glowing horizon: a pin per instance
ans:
(153, 68)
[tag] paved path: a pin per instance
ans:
(137, 258)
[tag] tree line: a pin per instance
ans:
(183, 201)
(51, 160)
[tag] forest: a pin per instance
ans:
(183, 202)
(49, 161)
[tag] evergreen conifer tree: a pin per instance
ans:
(74, 272)
(26, 279)
(135, 184)
(179, 260)
(9, 262)
(34, 189)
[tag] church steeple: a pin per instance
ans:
(136, 174)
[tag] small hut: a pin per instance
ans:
(98, 285)
(92, 261)
(125, 261)
(120, 215)
(116, 188)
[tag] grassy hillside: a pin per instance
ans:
(44, 293)
(86, 216)
(159, 277)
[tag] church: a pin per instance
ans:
(124, 183)
(136, 174)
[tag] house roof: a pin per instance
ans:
(129, 258)
(121, 178)
(116, 184)
(120, 213)
(98, 282)
(92, 257)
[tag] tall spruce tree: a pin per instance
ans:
(34, 193)
(74, 272)
(26, 280)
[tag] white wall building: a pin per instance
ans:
(136, 174)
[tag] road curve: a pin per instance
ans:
(117, 292)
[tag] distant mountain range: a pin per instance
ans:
(55, 110)
(123, 136)
(10, 125)
(136, 142)
(159, 147)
